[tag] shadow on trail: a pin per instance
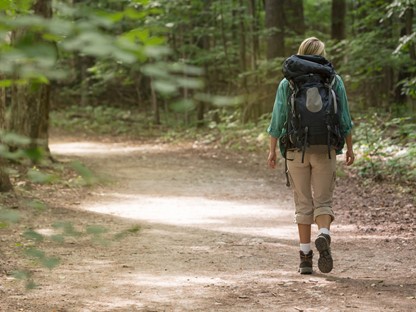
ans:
(217, 235)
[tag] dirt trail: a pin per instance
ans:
(216, 235)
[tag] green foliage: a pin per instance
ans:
(318, 17)
(67, 228)
(87, 175)
(386, 148)
(97, 234)
(230, 132)
(18, 148)
(8, 216)
(32, 235)
(39, 177)
(101, 120)
(25, 276)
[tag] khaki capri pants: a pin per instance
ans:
(313, 182)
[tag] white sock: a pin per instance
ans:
(324, 231)
(305, 248)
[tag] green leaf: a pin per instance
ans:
(15, 139)
(186, 69)
(32, 235)
(220, 101)
(30, 284)
(6, 83)
(39, 255)
(59, 238)
(35, 253)
(157, 51)
(182, 106)
(37, 204)
(165, 87)
(84, 172)
(155, 70)
(190, 83)
(67, 227)
(124, 56)
(96, 229)
(38, 177)
(50, 262)
(21, 275)
(9, 216)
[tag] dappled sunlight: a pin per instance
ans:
(169, 281)
(168, 288)
(98, 148)
(274, 277)
(224, 216)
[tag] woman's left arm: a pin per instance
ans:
(346, 121)
(349, 155)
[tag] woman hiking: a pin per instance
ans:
(309, 153)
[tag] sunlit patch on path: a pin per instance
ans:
(146, 193)
(97, 148)
(227, 216)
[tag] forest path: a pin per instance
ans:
(216, 235)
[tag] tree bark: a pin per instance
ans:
(275, 27)
(204, 44)
(242, 41)
(254, 29)
(409, 15)
(405, 72)
(224, 38)
(31, 102)
(338, 14)
(5, 184)
(294, 16)
(155, 105)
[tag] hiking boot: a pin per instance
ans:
(305, 266)
(323, 243)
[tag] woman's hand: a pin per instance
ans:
(271, 160)
(349, 157)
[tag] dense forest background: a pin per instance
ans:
(191, 64)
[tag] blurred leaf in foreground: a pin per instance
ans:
(84, 172)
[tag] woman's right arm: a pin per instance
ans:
(271, 160)
(277, 121)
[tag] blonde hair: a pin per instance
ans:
(312, 46)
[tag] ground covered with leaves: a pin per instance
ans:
(191, 226)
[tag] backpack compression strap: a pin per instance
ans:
(292, 108)
(332, 104)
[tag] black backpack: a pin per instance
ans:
(313, 110)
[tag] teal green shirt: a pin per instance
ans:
(277, 127)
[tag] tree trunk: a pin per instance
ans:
(254, 28)
(405, 72)
(242, 41)
(294, 16)
(204, 44)
(2, 107)
(81, 65)
(224, 38)
(31, 102)
(155, 105)
(409, 15)
(339, 8)
(275, 27)
(5, 184)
